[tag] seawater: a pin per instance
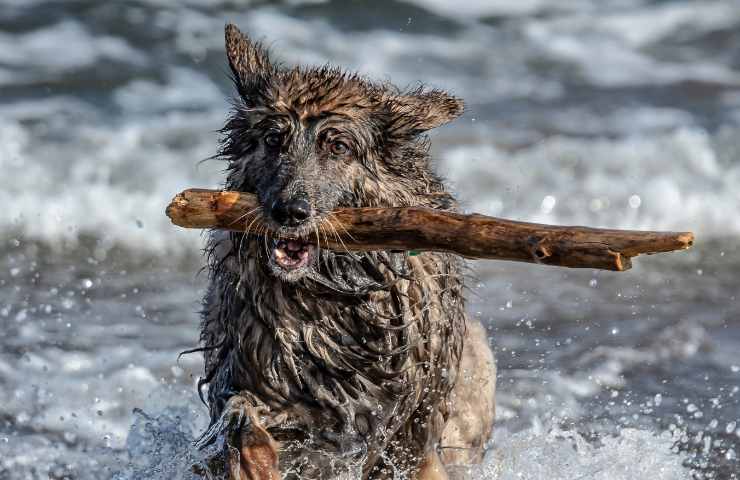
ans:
(616, 113)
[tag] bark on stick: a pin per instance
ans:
(425, 229)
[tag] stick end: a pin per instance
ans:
(686, 239)
(176, 206)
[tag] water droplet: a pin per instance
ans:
(87, 283)
(593, 283)
(635, 201)
(548, 203)
(731, 427)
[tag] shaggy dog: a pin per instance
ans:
(324, 364)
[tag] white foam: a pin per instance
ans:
(111, 181)
(677, 176)
(62, 47)
(638, 119)
(487, 8)
(609, 47)
(460, 63)
(647, 24)
(555, 454)
(184, 89)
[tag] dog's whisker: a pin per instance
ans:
(241, 217)
(263, 233)
(245, 234)
(318, 239)
(339, 238)
(255, 219)
(323, 230)
(333, 215)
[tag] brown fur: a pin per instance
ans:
(350, 362)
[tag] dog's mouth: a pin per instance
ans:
(292, 255)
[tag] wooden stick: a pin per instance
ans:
(424, 229)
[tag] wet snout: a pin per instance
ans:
(292, 212)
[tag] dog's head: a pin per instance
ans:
(309, 140)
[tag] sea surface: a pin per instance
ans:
(608, 113)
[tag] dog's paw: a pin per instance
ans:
(236, 417)
(250, 451)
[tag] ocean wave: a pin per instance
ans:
(114, 182)
(610, 48)
(65, 46)
(73, 166)
(670, 181)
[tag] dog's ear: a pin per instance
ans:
(249, 62)
(416, 112)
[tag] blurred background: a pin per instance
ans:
(610, 113)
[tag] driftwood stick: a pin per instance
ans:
(418, 228)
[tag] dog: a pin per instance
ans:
(329, 364)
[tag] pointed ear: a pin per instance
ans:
(416, 112)
(249, 62)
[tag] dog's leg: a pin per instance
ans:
(432, 468)
(472, 402)
(251, 452)
(258, 459)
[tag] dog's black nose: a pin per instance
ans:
(292, 212)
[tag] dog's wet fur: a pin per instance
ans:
(337, 360)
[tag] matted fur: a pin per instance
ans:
(358, 354)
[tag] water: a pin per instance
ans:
(621, 113)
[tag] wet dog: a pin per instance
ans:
(323, 364)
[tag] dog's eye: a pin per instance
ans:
(273, 140)
(338, 148)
